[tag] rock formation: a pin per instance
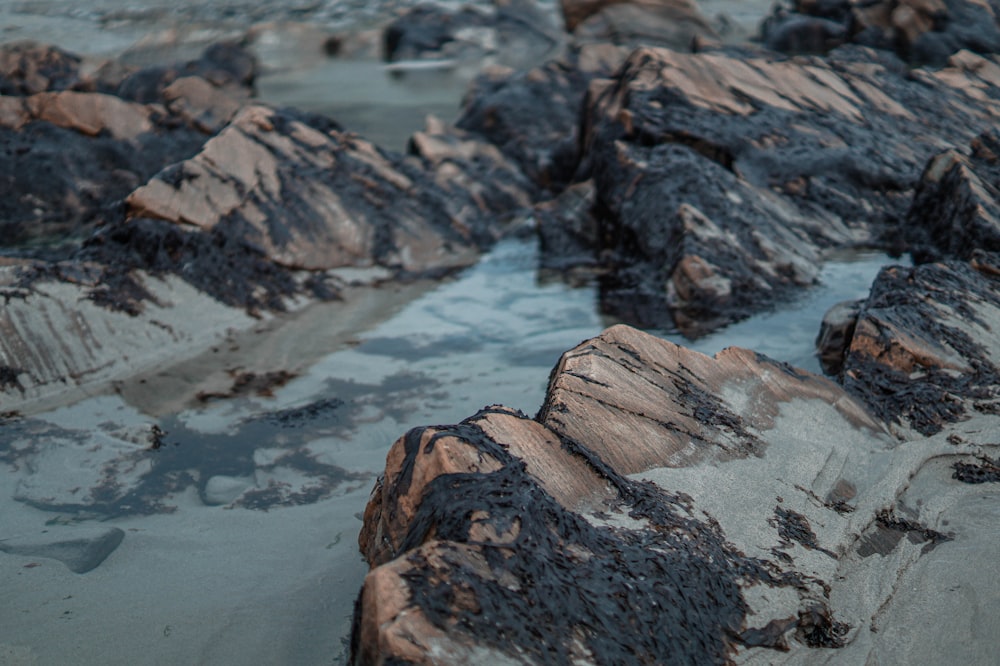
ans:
(919, 31)
(145, 193)
(721, 178)
(666, 506)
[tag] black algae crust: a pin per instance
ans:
(907, 299)
(987, 471)
(560, 588)
(218, 262)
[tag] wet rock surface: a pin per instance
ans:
(513, 32)
(923, 32)
(145, 192)
(811, 155)
(698, 488)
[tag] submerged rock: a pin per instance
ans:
(81, 549)
(702, 490)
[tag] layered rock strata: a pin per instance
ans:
(665, 506)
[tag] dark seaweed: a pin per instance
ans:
(669, 593)
(9, 378)
(987, 471)
(793, 526)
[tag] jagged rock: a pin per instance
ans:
(533, 116)
(517, 32)
(956, 208)
(511, 540)
(27, 68)
(81, 549)
(668, 23)
(819, 153)
(310, 198)
(919, 31)
(79, 145)
(924, 349)
(835, 333)
(475, 173)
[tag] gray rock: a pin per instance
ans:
(835, 333)
(81, 549)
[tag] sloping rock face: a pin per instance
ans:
(309, 198)
(168, 190)
(668, 23)
(665, 506)
(955, 211)
(923, 32)
(721, 178)
(516, 32)
(78, 144)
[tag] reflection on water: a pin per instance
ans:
(241, 516)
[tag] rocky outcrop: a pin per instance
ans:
(79, 144)
(924, 349)
(533, 116)
(700, 490)
(955, 210)
(170, 191)
(722, 177)
(513, 32)
(668, 23)
(919, 31)
(27, 68)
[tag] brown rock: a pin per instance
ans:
(91, 113)
(924, 351)
(640, 403)
(355, 208)
(27, 68)
(202, 104)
